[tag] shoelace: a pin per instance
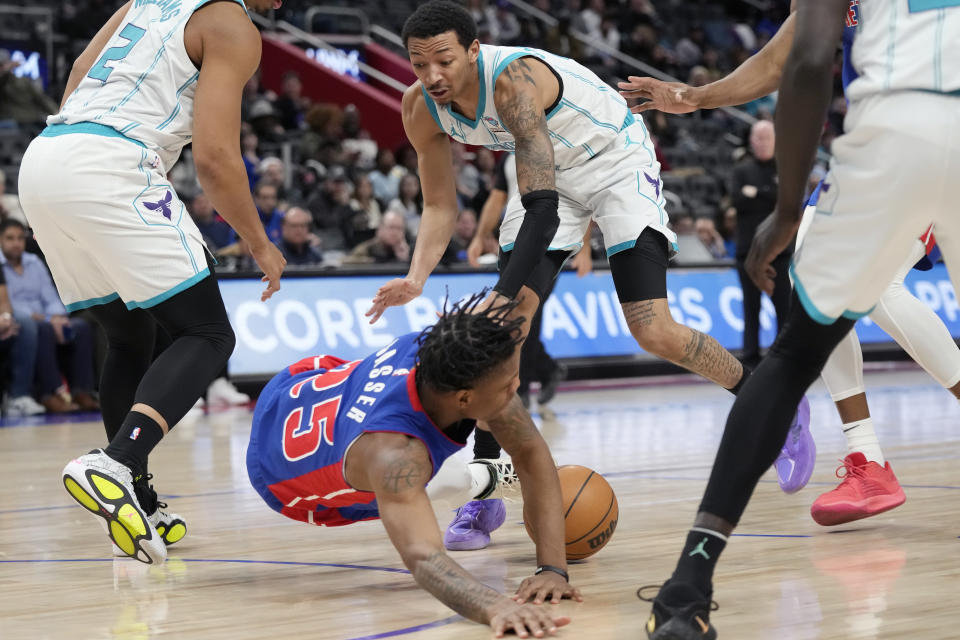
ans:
(850, 471)
(713, 604)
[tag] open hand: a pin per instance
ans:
(524, 620)
(546, 586)
(669, 97)
(397, 292)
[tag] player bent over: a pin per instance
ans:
(336, 442)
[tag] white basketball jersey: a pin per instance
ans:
(588, 115)
(904, 45)
(143, 82)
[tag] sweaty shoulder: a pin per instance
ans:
(417, 119)
(221, 26)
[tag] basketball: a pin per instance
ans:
(590, 511)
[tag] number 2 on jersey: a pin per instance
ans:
(301, 440)
(132, 34)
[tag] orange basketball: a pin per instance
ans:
(590, 511)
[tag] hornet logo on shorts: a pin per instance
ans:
(163, 205)
(654, 183)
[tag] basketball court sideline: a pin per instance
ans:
(245, 572)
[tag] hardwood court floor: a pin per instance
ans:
(245, 572)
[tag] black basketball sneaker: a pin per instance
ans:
(687, 622)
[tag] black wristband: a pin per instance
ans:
(540, 224)
(549, 567)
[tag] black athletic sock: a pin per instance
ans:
(137, 437)
(735, 389)
(485, 445)
(696, 565)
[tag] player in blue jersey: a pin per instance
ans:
(890, 178)
(118, 240)
(337, 442)
(869, 485)
(580, 156)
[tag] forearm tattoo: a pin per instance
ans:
(404, 474)
(528, 124)
(453, 586)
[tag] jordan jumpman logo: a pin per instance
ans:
(699, 550)
(163, 205)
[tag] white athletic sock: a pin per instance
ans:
(484, 480)
(861, 437)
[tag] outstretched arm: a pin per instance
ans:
(758, 76)
(439, 204)
(398, 476)
(543, 502)
(805, 94)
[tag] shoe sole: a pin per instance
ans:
(172, 531)
(842, 513)
(464, 546)
(677, 630)
(126, 524)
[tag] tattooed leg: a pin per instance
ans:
(658, 333)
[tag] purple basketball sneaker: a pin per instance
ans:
(473, 523)
(795, 463)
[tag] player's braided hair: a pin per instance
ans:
(465, 344)
(439, 16)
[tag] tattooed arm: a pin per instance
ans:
(522, 92)
(398, 468)
(543, 503)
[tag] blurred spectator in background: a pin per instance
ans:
(710, 238)
(265, 197)
(20, 351)
(31, 291)
(385, 177)
(389, 245)
(216, 233)
(321, 141)
(249, 142)
(754, 196)
(407, 157)
(22, 101)
(265, 120)
(369, 213)
(409, 202)
(728, 230)
(332, 213)
(559, 40)
(295, 238)
(9, 203)
(291, 104)
(464, 230)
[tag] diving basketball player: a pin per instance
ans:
(337, 442)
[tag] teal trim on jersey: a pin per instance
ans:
(91, 302)
(811, 309)
(938, 50)
(916, 6)
(622, 246)
(589, 150)
(176, 109)
(481, 102)
(143, 76)
(557, 136)
(510, 58)
(92, 128)
(582, 111)
(432, 106)
(176, 225)
(629, 120)
(892, 44)
(507, 247)
(166, 295)
(955, 93)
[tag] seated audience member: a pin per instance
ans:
(295, 239)
(389, 245)
(31, 291)
(463, 231)
(20, 350)
(266, 199)
(710, 238)
(216, 233)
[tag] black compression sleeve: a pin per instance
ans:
(540, 224)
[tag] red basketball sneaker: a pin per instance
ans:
(867, 489)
